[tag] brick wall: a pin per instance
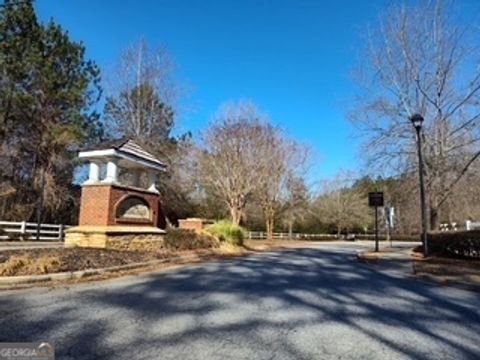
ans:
(95, 205)
(99, 203)
(191, 224)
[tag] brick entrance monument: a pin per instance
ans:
(119, 200)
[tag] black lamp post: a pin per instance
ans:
(417, 121)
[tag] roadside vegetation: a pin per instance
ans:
(454, 259)
(177, 242)
(48, 261)
(227, 231)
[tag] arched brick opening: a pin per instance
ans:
(133, 208)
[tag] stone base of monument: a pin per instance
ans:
(133, 238)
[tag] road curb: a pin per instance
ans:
(31, 279)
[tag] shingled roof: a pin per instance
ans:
(124, 146)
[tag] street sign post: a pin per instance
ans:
(375, 199)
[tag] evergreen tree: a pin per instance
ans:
(47, 89)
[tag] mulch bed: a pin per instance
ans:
(462, 272)
(80, 258)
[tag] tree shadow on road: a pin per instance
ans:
(295, 304)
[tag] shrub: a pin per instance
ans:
(455, 243)
(227, 231)
(183, 239)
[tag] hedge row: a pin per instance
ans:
(455, 243)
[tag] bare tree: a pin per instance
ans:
(420, 60)
(142, 93)
(296, 205)
(341, 204)
(228, 159)
(142, 103)
(465, 205)
(279, 159)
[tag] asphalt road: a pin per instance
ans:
(314, 303)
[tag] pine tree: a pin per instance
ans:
(47, 89)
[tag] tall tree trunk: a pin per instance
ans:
(269, 223)
(434, 218)
(235, 214)
(267, 229)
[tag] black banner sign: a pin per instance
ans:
(375, 199)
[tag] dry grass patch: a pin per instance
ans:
(369, 257)
(230, 249)
(53, 260)
(26, 264)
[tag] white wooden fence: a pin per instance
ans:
(259, 235)
(469, 225)
(28, 231)
(472, 225)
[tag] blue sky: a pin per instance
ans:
(293, 58)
